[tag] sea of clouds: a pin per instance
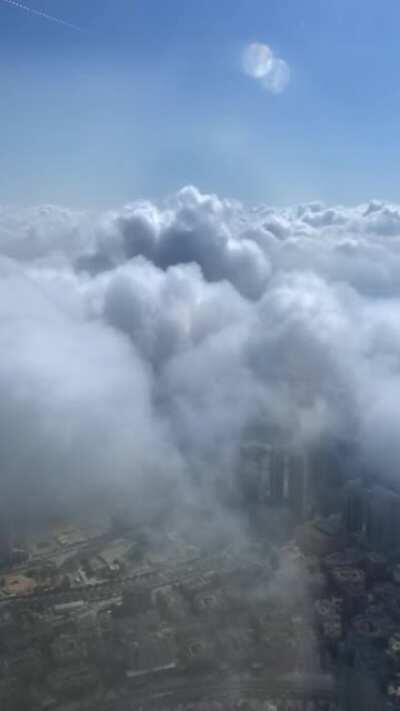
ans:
(138, 344)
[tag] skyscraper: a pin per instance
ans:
(297, 484)
(277, 476)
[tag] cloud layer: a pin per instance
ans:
(138, 344)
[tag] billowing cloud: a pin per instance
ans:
(260, 62)
(138, 344)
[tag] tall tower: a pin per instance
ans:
(383, 519)
(277, 476)
(5, 542)
(254, 471)
(354, 507)
(297, 484)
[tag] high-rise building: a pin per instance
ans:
(354, 507)
(383, 518)
(5, 543)
(277, 476)
(297, 484)
(253, 472)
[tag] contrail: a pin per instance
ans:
(39, 13)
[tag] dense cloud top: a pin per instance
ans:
(138, 344)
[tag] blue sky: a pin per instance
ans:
(152, 96)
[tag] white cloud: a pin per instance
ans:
(260, 63)
(152, 335)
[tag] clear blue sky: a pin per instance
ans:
(152, 96)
